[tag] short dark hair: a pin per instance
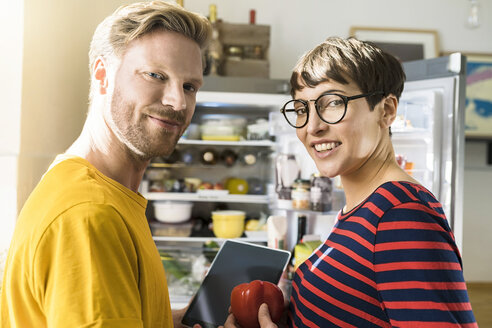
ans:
(342, 60)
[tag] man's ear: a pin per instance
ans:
(390, 106)
(99, 73)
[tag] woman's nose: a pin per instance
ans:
(314, 124)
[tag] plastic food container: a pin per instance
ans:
(222, 127)
(258, 130)
(172, 212)
(171, 229)
(192, 132)
(228, 224)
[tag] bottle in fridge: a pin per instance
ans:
(286, 172)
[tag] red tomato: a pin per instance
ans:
(247, 298)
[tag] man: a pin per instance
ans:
(82, 254)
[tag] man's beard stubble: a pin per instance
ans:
(140, 143)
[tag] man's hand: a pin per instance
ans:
(178, 316)
(263, 318)
(230, 322)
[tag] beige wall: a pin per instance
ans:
(11, 16)
(55, 80)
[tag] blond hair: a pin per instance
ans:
(345, 60)
(130, 22)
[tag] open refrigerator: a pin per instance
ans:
(431, 132)
(188, 248)
(428, 137)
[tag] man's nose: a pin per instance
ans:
(173, 96)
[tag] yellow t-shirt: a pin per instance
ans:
(82, 255)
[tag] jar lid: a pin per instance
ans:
(229, 212)
(301, 183)
(235, 50)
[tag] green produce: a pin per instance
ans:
(173, 267)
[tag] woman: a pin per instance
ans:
(391, 259)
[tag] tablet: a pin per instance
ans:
(235, 263)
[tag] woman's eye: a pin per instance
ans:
(301, 111)
(155, 75)
(335, 103)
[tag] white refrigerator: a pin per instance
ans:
(432, 137)
(428, 138)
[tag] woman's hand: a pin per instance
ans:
(264, 317)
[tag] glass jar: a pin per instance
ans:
(315, 199)
(234, 52)
(300, 194)
(321, 195)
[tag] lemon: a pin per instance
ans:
(237, 186)
(253, 225)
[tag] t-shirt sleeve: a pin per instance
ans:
(85, 270)
(418, 269)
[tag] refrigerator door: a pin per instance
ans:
(429, 131)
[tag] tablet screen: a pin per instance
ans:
(235, 263)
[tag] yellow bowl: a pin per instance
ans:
(228, 224)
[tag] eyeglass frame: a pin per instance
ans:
(346, 99)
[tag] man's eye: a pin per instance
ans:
(155, 75)
(189, 87)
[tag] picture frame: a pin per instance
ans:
(405, 44)
(478, 104)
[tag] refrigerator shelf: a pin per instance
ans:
(244, 143)
(207, 239)
(193, 165)
(196, 197)
(241, 99)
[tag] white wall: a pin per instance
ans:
(477, 234)
(297, 26)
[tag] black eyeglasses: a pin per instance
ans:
(331, 108)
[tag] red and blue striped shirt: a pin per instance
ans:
(390, 262)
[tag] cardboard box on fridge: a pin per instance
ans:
(253, 42)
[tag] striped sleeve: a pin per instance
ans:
(418, 269)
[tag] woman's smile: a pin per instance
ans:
(322, 147)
